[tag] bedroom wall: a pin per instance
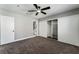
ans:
(68, 26)
(43, 28)
(23, 24)
(68, 29)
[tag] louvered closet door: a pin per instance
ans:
(7, 29)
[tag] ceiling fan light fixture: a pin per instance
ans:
(38, 11)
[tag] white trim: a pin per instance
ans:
(18, 40)
(23, 38)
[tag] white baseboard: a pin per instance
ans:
(24, 38)
(17, 40)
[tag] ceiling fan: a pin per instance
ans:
(39, 9)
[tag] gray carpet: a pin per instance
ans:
(38, 45)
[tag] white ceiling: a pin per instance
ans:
(55, 8)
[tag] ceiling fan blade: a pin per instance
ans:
(37, 13)
(46, 8)
(43, 12)
(35, 6)
(31, 10)
(39, 7)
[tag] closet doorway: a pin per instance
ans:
(53, 29)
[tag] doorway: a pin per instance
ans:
(53, 29)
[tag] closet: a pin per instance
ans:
(53, 29)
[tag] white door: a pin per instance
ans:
(7, 29)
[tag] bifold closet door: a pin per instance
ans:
(7, 29)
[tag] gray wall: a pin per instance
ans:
(23, 24)
(68, 26)
(68, 29)
(43, 28)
